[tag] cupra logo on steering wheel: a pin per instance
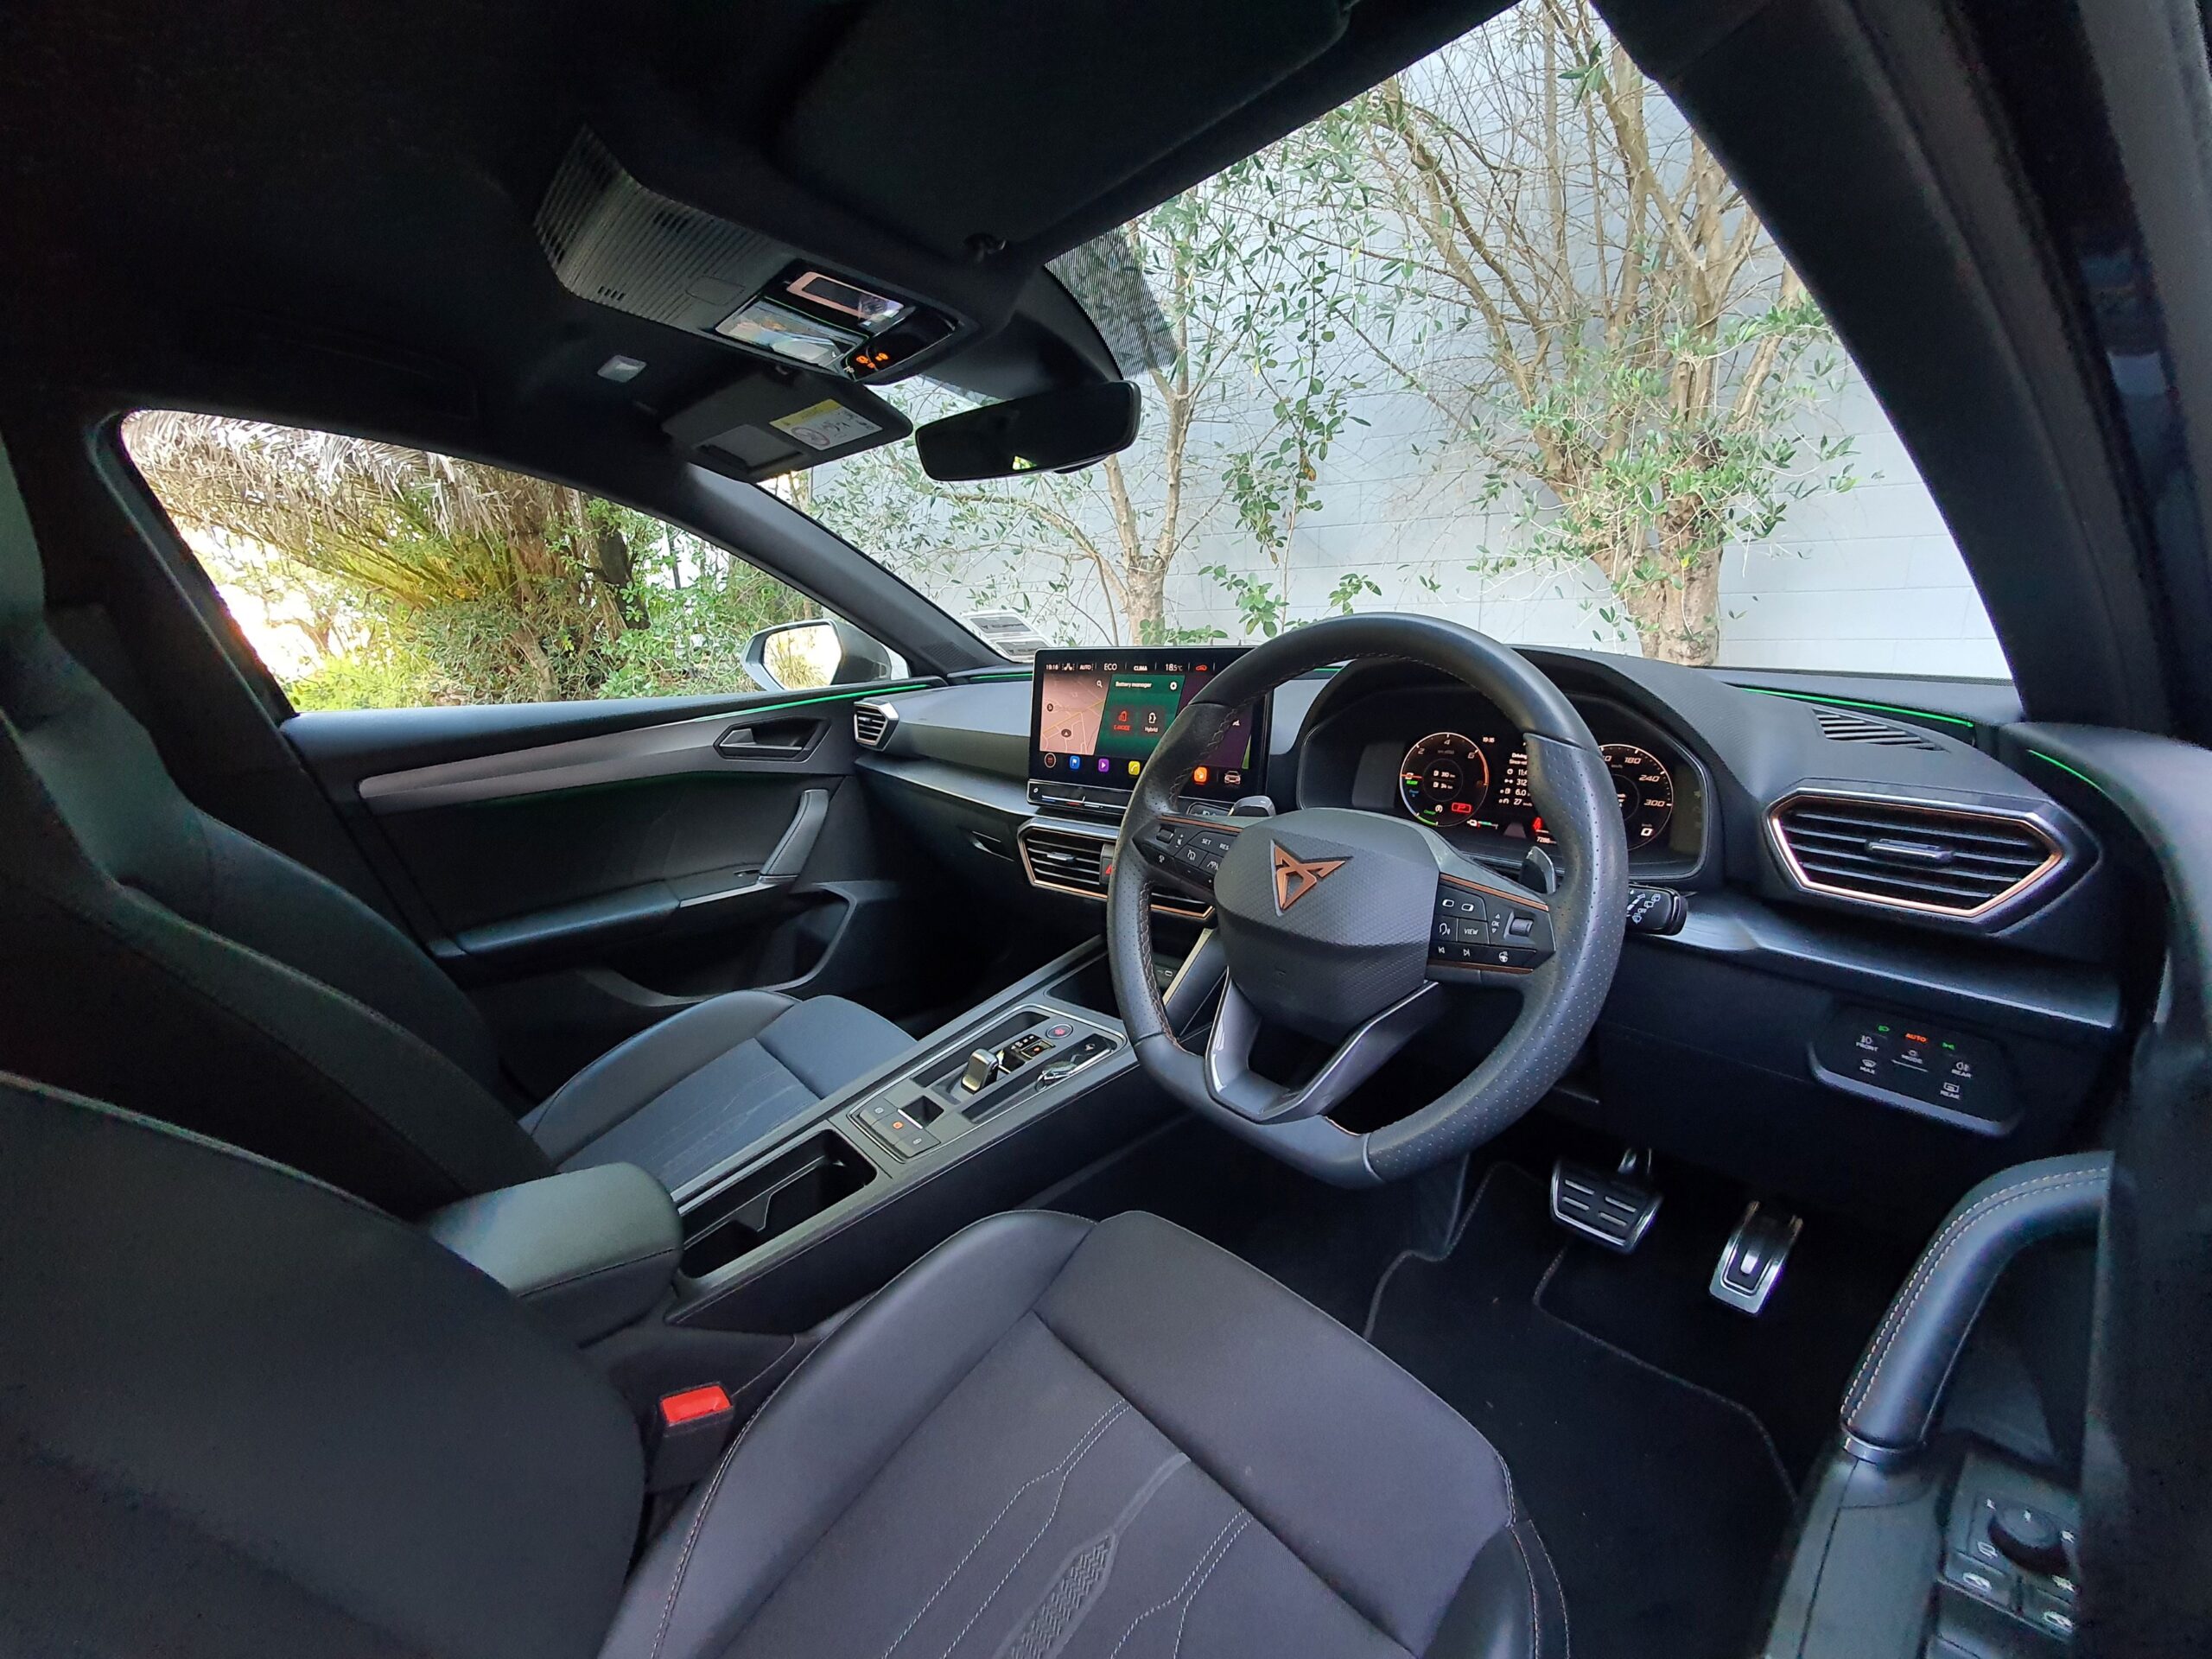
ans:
(1295, 878)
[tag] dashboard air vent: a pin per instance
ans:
(872, 724)
(1844, 726)
(1057, 859)
(1950, 860)
(1069, 861)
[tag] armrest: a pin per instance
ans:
(588, 1251)
(1893, 1396)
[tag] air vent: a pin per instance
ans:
(872, 724)
(1959, 862)
(1066, 861)
(1057, 859)
(1844, 726)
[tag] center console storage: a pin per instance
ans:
(983, 1114)
(792, 1187)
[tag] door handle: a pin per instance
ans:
(770, 740)
(797, 845)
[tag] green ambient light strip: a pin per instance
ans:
(1854, 702)
(833, 696)
(2071, 771)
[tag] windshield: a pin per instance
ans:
(1498, 340)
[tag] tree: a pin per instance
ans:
(1241, 407)
(420, 578)
(1563, 270)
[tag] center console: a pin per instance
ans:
(981, 1116)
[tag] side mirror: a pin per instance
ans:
(1049, 432)
(799, 656)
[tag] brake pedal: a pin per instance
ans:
(1750, 1262)
(1616, 1210)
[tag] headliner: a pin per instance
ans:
(268, 207)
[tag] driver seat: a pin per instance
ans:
(241, 1412)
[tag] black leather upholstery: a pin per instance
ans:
(1049, 1437)
(160, 959)
(242, 1413)
(1893, 1397)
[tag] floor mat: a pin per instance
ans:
(1662, 1504)
(1790, 1363)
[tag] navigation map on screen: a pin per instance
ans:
(1099, 715)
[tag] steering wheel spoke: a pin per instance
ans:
(1187, 852)
(1237, 1026)
(1486, 926)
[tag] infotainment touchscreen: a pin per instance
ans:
(1096, 716)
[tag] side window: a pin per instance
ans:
(368, 575)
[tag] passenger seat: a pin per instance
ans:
(154, 956)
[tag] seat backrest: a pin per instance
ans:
(158, 958)
(241, 1412)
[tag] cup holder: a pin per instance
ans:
(764, 1203)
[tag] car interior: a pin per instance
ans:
(1084, 1152)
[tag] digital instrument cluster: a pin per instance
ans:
(1452, 781)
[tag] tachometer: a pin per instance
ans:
(1646, 789)
(1443, 779)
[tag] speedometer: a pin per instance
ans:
(1646, 791)
(1444, 779)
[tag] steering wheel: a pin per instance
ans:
(1344, 927)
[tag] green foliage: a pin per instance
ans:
(417, 580)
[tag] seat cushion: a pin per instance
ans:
(680, 1097)
(1051, 1439)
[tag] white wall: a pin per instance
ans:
(1867, 579)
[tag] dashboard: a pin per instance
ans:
(1446, 757)
(1848, 872)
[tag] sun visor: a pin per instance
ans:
(778, 420)
(969, 125)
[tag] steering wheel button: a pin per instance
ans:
(1520, 927)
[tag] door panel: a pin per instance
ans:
(586, 871)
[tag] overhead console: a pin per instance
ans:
(615, 243)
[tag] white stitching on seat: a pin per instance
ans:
(1105, 1420)
(706, 1504)
(1183, 1624)
(1893, 1322)
(1066, 1468)
(1236, 1524)
(1535, 1620)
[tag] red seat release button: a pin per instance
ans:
(692, 1405)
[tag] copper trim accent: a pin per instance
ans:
(2054, 853)
(1291, 870)
(1166, 906)
(1496, 893)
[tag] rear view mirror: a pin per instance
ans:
(1049, 432)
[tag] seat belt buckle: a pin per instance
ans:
(686, 1435)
